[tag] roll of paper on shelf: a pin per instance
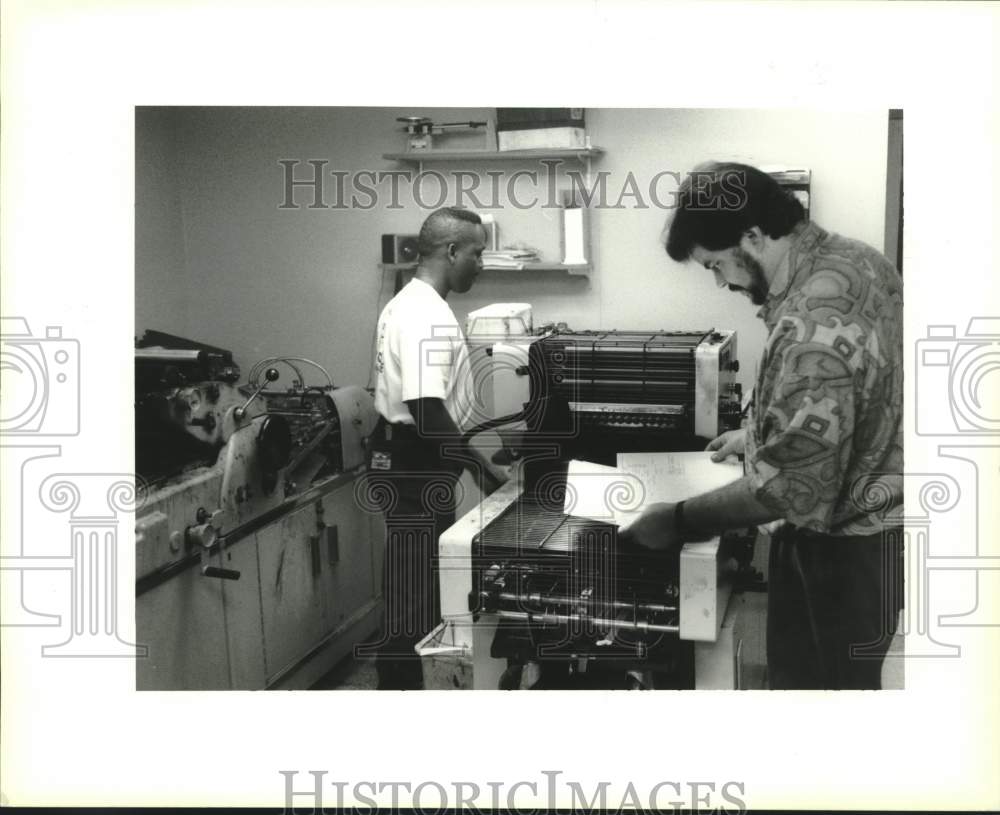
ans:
(574, 246)
(492, 231)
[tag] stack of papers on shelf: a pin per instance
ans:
(509, 258)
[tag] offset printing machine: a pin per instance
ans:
(255, 565)
(528, 589)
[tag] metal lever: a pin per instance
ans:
(470, 125)
(222, 574)
(205, 535)
(271, 374)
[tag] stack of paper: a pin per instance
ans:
(509, 258)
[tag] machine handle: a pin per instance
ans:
(222, 574)
(462, 124)
(205, 535)
(271, 375)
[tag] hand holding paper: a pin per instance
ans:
(654, 528)
(730, 443)
(640, 494)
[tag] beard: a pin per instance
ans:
(758, 287)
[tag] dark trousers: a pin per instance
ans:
(418, 497)
(832, 608)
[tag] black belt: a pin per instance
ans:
(408, 450)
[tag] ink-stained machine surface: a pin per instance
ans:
(255, 565)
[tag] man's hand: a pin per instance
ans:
(730, 443)
(654, 528)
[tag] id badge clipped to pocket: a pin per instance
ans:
(380, 460)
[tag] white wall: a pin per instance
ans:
(161, 289)
(216, 258)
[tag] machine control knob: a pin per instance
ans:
(203, 535)
(205, 531)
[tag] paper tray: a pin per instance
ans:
(445, 664)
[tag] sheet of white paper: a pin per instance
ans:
(678, 476)
(599, 492)
(618, 494)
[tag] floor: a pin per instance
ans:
(892, 669)
(351, 673)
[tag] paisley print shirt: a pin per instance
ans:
(825, 437)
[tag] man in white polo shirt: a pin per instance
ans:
(425, 395)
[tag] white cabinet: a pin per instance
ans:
(293, 592)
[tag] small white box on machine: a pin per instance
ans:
(498, 321)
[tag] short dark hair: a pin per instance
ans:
(440, 227)
(719, 201)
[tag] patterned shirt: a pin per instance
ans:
(825, 438)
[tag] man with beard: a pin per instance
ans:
(825, 435)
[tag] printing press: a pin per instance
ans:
(256, 567)
(535, 596)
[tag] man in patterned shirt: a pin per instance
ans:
(824, 443)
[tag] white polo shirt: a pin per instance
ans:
(421, 353)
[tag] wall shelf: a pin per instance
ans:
(582, 154)
(417, 156)
(573, 269)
